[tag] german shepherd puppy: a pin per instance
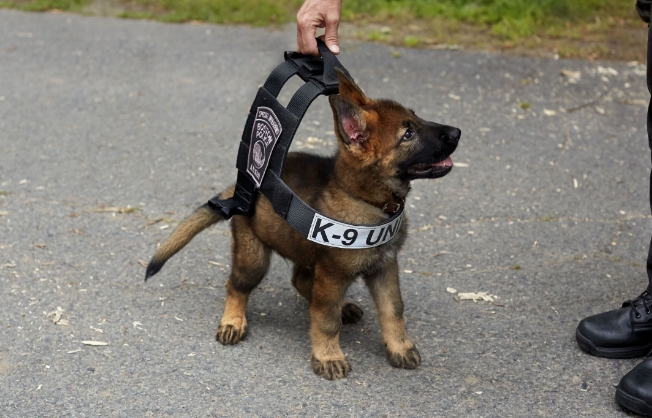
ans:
(382, 146)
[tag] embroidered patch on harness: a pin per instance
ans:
(265, 132)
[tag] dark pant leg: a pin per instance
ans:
(649, 136)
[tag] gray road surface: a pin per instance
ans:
(549, 212)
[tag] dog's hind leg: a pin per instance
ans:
(302, 278)
(351, 313)
(384, 288)
(250, 261)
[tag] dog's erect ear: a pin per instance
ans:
(350, 90)
(349, 120)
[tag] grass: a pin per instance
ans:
(570, 28)
(508, 18)
(593, 29)
(252, 12)
(411, 41)
(43, 5)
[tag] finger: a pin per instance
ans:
(300, 46)
(309, 43)
(330, 37)
(306, 30)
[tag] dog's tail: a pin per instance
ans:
(200, 219)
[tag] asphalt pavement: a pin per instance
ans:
(111, 131)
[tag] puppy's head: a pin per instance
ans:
(391, 139)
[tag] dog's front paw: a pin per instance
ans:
(231, 332)
(408, 359)
(351, 313)
(331, 369)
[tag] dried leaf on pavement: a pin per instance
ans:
(476, 296)
(56, 317)
(95, 343)
(152, 222)
(571, 73)
(573, 76)
(606, 71)
(113, 209)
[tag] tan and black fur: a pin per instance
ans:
(382, 146)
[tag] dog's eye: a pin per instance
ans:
(408, 135)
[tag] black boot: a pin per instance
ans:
(634, 391)
(621, 333)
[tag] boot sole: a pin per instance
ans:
(621, 353)
(632, 403)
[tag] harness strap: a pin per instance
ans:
(265, 142)
(279, 76)
(302, 99)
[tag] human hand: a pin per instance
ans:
(318, 14)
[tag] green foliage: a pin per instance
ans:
(376, 36)
(42, 5)
(487, 11)
(411, 41)
(508, 19)
(253, 12)
(511, 19)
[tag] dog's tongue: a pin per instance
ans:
(448, 162)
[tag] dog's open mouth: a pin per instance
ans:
(431, 170)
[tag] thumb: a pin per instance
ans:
(330, 37)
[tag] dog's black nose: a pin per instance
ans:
(453, 135)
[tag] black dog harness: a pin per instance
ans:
(265, 143)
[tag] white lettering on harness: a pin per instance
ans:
(332, 233)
